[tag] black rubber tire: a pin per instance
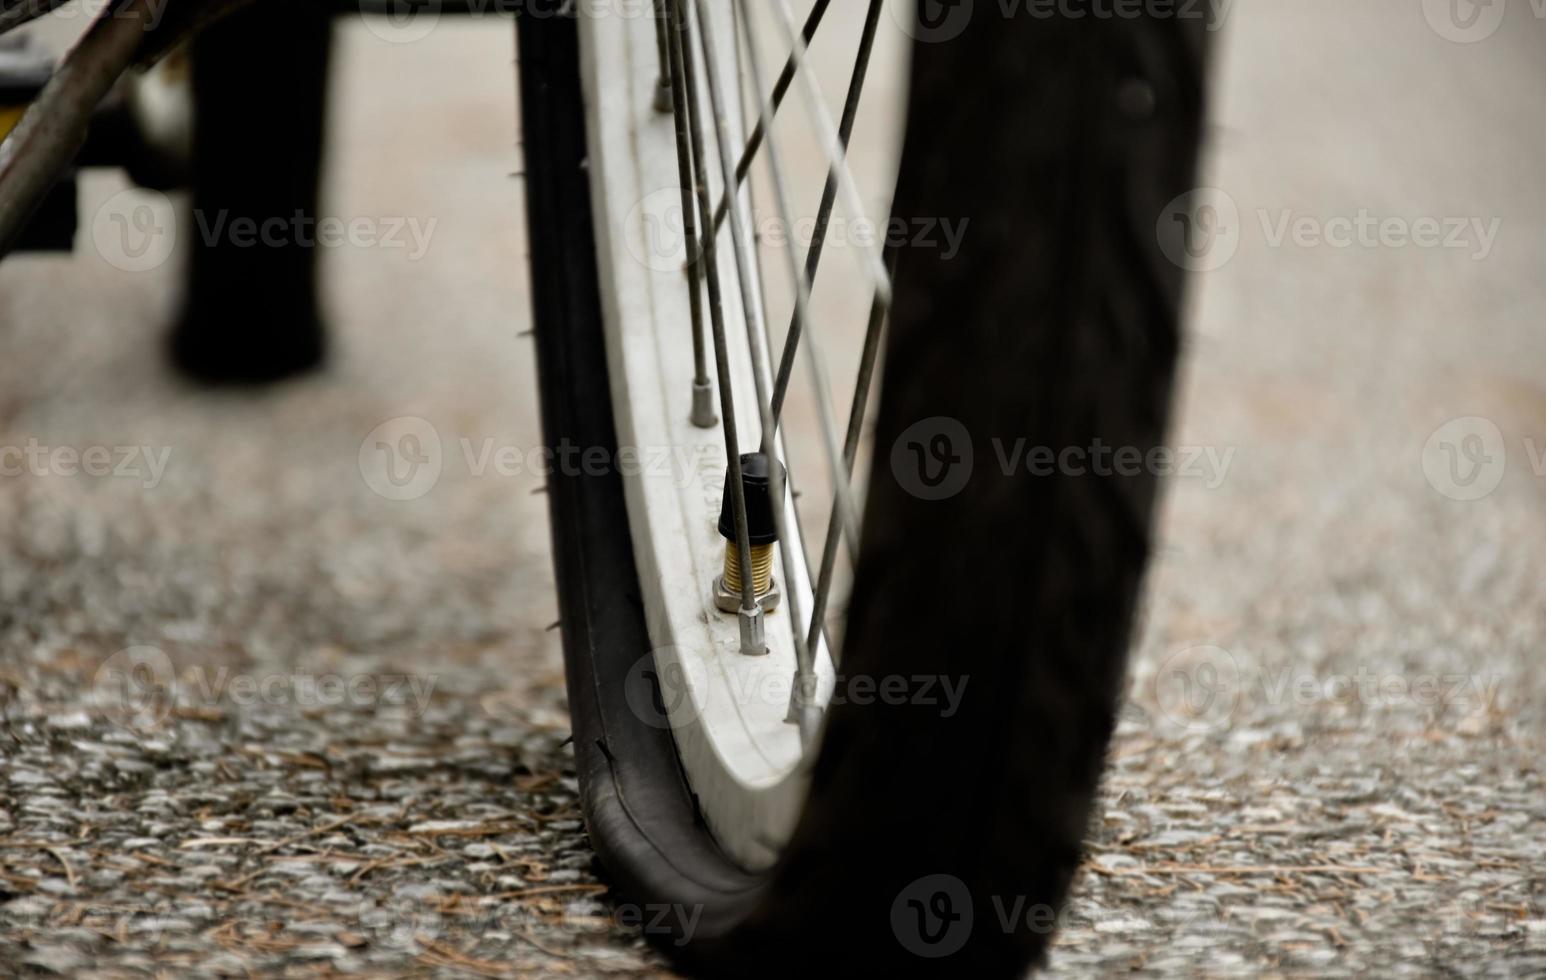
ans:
(1060, 141)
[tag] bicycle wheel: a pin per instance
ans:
(880, 833)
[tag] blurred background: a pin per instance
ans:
(1338, 662)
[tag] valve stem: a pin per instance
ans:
(762, 534)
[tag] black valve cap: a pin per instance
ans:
(756, 478)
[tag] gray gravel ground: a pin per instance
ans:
(1330, 758)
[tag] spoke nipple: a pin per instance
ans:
(754, 642)
(663, 100)
(703, 405)
(805, 708)
(802, 699)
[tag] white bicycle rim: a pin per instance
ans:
(727, 710)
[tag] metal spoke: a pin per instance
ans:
(708, 88)
(664, 86)
(808, 715)
(861, 398)
(682, 58)
(872, 264)
(780, 89)
(741, 27)
(752, 304)
(842, 518)
(828, 199)
(845, 515)
(702, 413)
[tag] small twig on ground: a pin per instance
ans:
(1263, 869)
(69, 872)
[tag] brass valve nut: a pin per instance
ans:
(762, 535)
